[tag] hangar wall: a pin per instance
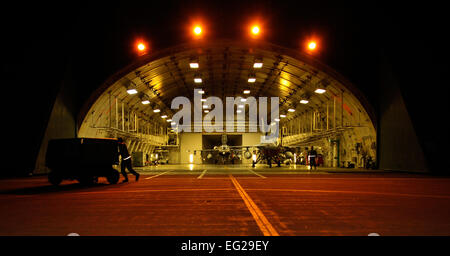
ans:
(61, 124)
(188, 143)
(399, 147)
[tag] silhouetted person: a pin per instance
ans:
(312, 154)
(126, 161)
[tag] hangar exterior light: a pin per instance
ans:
(291, 110)
(197, 30)
(320, 91)
(132, 91)
(255, 30)
(141, 47)
(304, 101)
(312, 45)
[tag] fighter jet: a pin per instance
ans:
(273, 153)
(264, 152)
(225, 153)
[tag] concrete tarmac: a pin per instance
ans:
(238, 200)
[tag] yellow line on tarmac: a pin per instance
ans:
(154, 176)
(264, 225)
(257, 174)
(201, 175)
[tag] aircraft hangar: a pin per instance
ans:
(338, 120)
(221, 117)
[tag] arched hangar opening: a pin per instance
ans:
(338, 121)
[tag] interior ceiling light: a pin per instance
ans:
(164, 116)
(243, 100)
(277, 119)
(241, 106)
(156, 110)
(282, 116)
(132, 91)
(304, 101)
(203, 100)
(193, 65)
(251, 79)
(169, 120)
(320, 91)
(206, 111)
(246, 91)
(238, 111)
(205, 106)
(291, 110)
(257, 65)
(201, 92)
(145, 102)
(173, 123)
(197, 80)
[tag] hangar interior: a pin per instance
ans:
(318, 107)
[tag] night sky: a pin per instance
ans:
(84, 43)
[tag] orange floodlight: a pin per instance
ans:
(312, 45)
(197, 30)
(141, 47)
(255, 30)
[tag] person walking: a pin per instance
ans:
(126, 161)
(312, 155)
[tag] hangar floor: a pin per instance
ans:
(235, 200)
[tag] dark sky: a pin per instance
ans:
(84, 43)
